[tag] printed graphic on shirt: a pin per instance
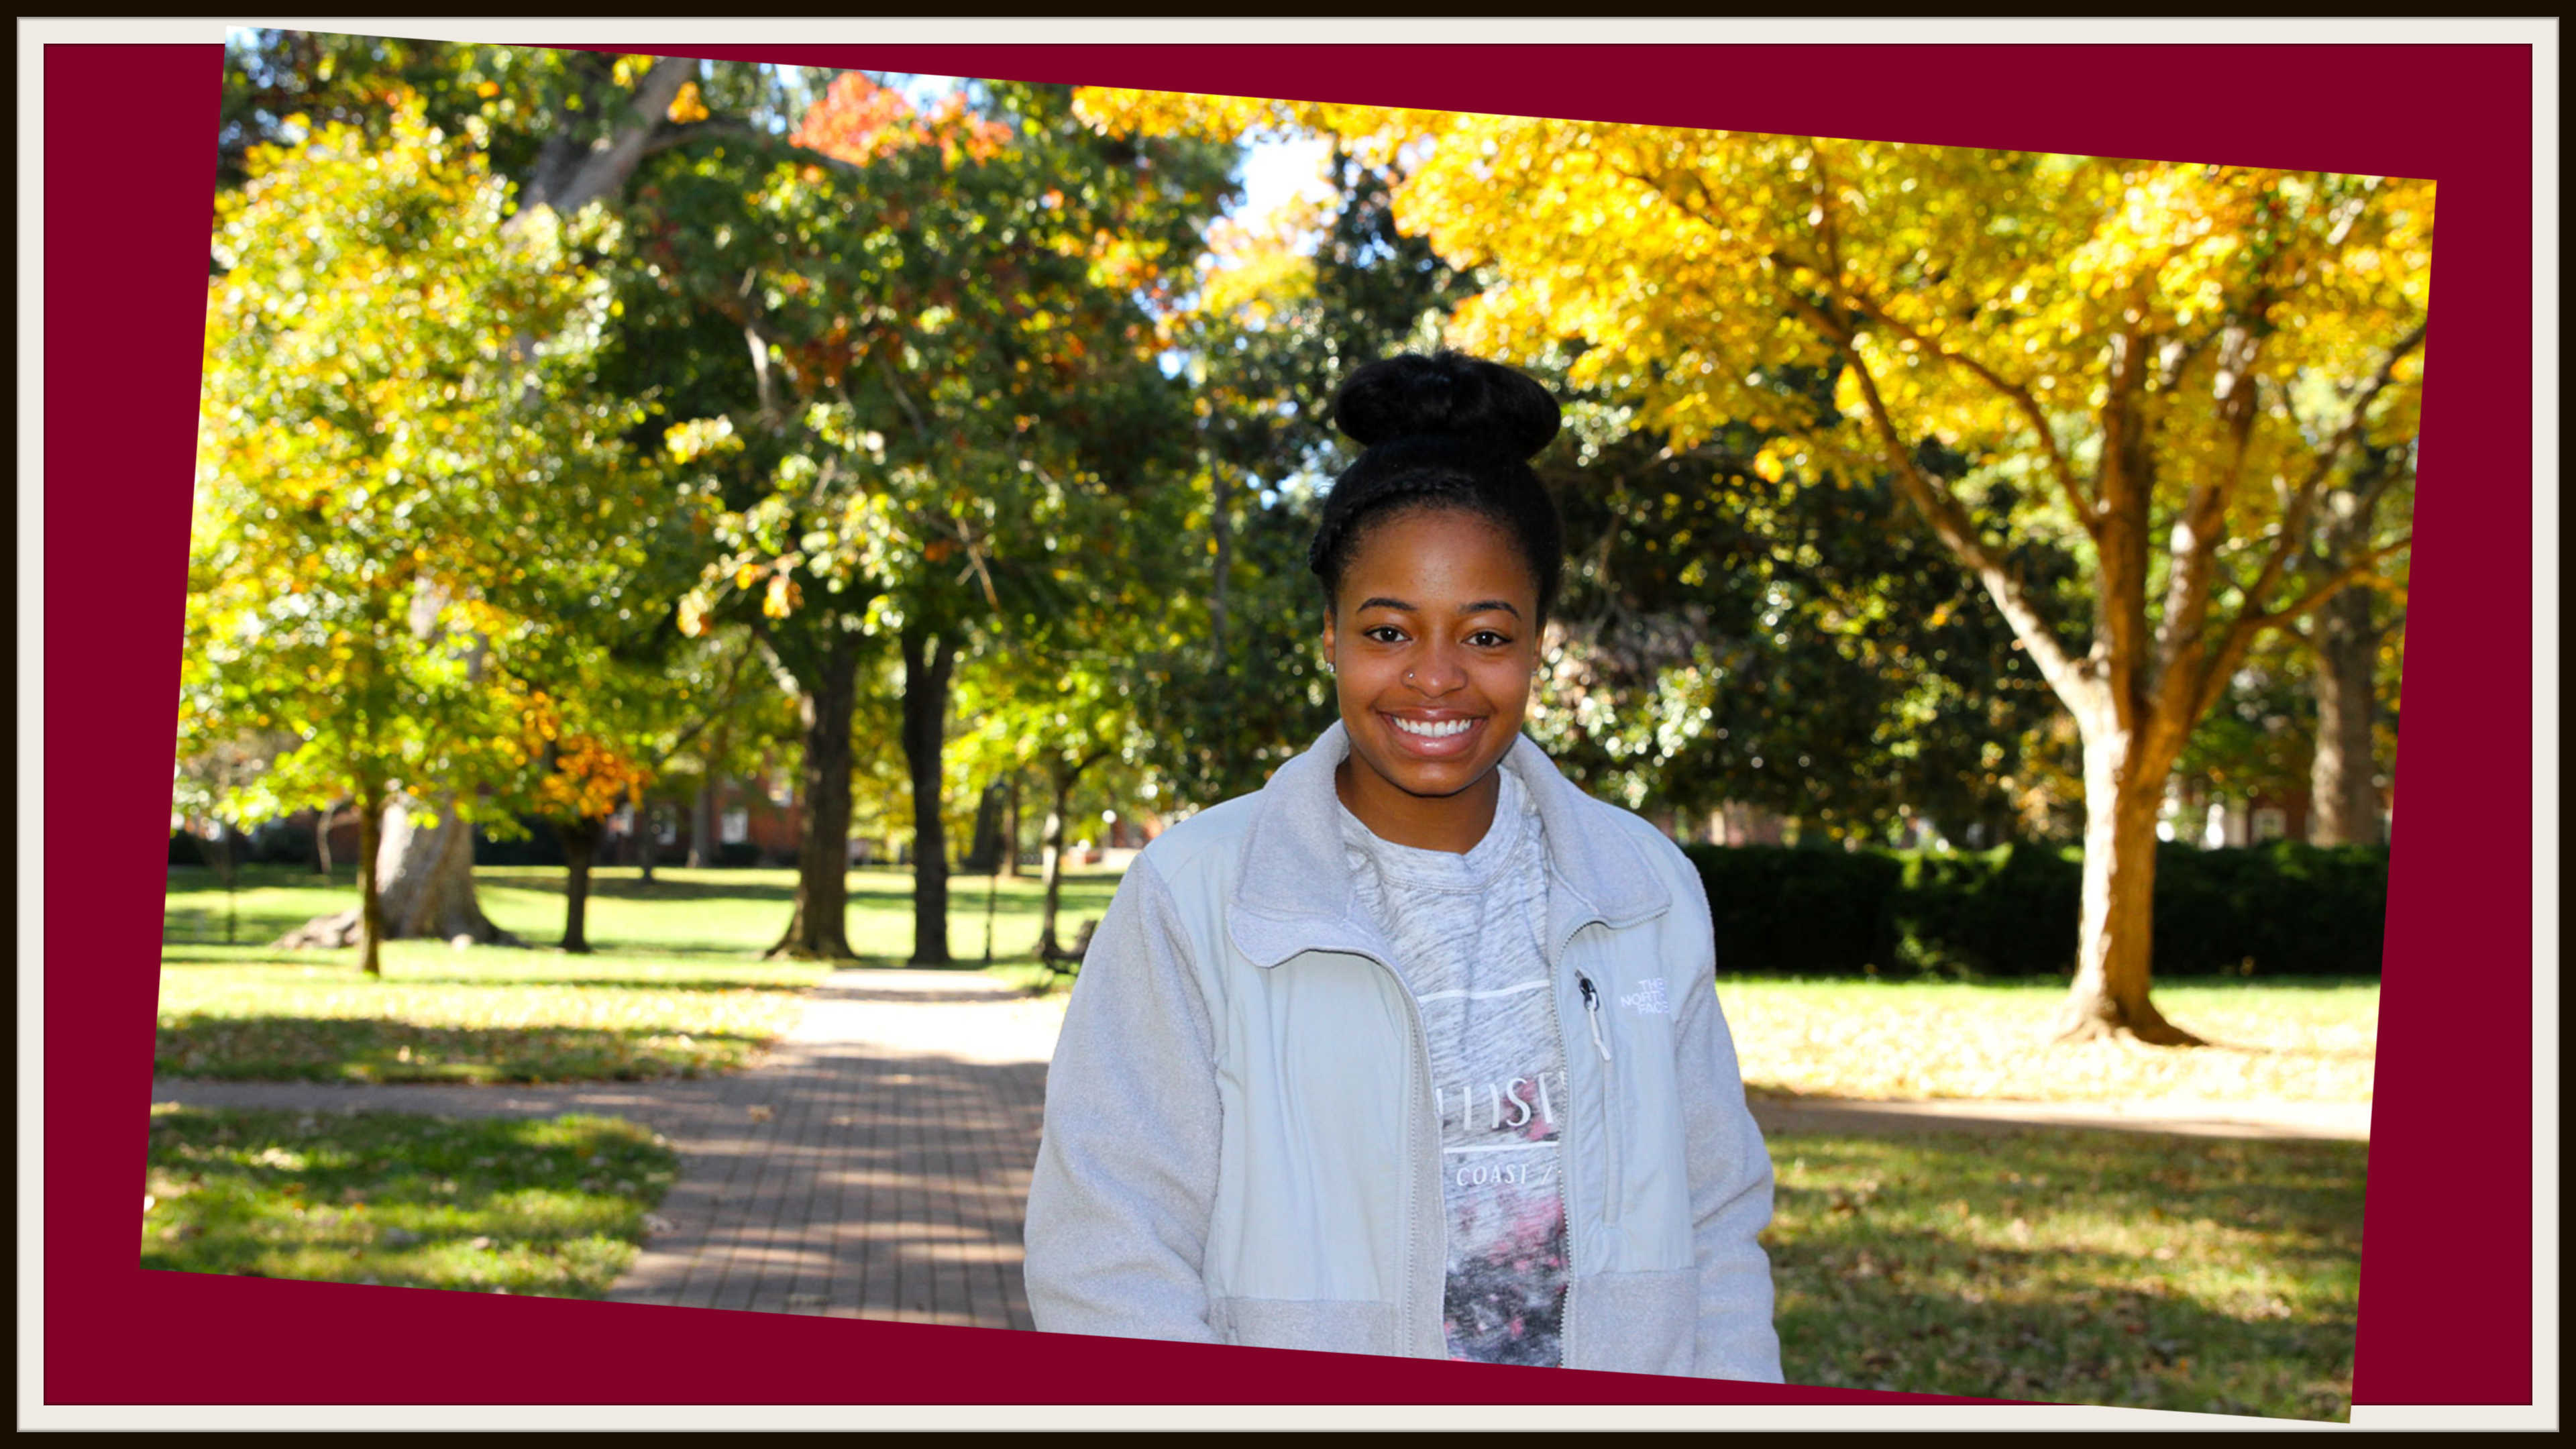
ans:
(1500, 1163)
(1465, 932)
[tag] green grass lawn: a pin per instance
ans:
(676, 986)
(2072, 1267)
(553, 1208)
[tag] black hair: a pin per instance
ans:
(1443, 431)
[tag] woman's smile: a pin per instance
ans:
(1432, 736)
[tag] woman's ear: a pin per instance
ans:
(1328, 641)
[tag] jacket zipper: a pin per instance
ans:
(1609, 1095)
(1565, 1158)
(1408, 1313)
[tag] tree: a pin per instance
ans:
(2352, 637)
(951, 390)
(2168, 365)
(1727, 638)
(377, 451)
(581, 780)
(218, 785)
(1056, 714)
(570, 125)
(573, 126)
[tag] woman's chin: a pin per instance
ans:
(1432, 779)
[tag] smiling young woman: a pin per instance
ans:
(1415, 1050)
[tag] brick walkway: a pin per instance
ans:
(874, 1167)
(875, 1164)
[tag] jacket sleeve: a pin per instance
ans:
(1730, 1175)
(1126, 1173)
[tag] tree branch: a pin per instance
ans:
(2294, 517)
(2241, 633)
(894, 384)
(2015, 393)
(568, 179)
(669, 134)
(2122, 550)
(2359, 571)
(2201, 525)
(724, 701)
(1952, 525)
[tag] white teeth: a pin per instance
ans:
(1435, 731)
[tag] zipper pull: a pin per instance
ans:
(1592, 1013)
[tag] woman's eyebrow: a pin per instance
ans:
(1381, 601)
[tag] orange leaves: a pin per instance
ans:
(544, 722)
(590, 779)
(687, 106)
(858, 121)
(782, 597)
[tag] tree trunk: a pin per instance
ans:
(928, 660)
(223, 852)
(580, 843)
(322, 839)
(423, 881)
(648, 841)
(371, 899)
(702, 825)
(2343, 794)
(984, 853)
(2114, 949)
(1011, 829)
(819, 928)
(427, 877)
(1051, 868)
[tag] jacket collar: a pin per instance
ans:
(1294, 893)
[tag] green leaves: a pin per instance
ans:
(395, 441)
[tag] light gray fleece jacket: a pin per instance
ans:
(1240, 1141)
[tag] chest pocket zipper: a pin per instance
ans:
(1610, 1113)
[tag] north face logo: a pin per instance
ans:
(1648, 998)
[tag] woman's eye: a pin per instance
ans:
(1385, 634)
(1488, 639)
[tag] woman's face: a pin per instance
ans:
(1433, 640)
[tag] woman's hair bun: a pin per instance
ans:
(1447, 394)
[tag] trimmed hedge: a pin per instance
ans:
(2282, 909)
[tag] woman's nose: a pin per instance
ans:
(1438, 672)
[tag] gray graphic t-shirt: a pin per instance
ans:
(1466, 931)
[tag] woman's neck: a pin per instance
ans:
(1453, 823)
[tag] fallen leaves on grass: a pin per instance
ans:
(2067, 1267)
(1926, 1040)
